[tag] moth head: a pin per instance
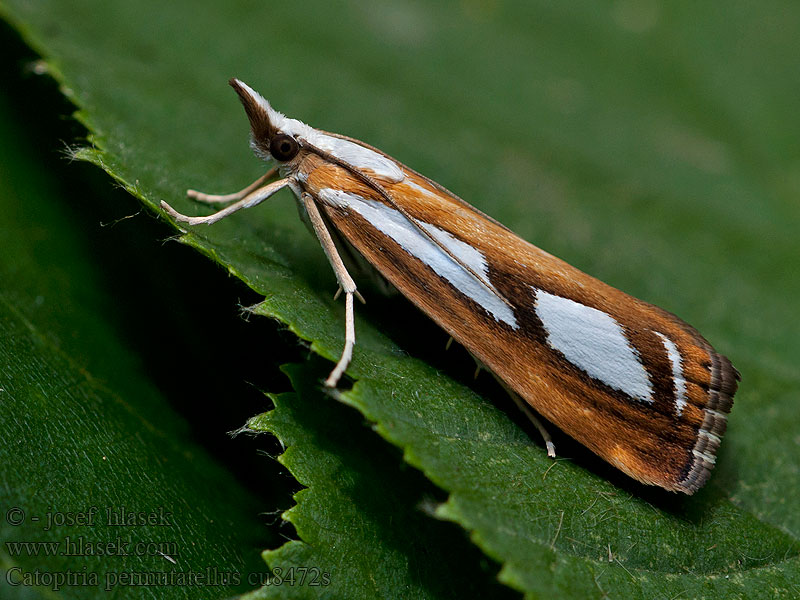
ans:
(272, 135)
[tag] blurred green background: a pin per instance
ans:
(651, 144)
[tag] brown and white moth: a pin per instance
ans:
(628, 380)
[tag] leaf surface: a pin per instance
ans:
(653, 146)
(103, 490)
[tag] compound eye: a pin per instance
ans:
(283, 147)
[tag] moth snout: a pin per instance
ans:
(258, 113)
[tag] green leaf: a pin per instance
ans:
(88, 440)
(364, 525)
(651, 145)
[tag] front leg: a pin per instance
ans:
(253, 198)
(223, 199)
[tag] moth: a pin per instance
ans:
(628, 380)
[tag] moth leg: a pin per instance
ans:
(528, 411)
(523, 406)
(357, 293)
(548, 441)
(479, 366)
(248, 201)
(346, 284)
(222, 199)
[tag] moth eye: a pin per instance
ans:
(283, 147)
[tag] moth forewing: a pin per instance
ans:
(630, 381)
